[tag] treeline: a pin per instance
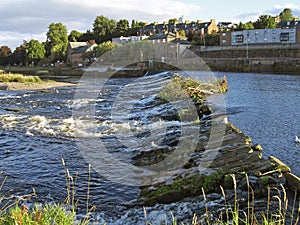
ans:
(267, 21)
(55, 47)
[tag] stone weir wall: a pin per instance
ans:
(219, 150)
(236, 156)
(268, 60)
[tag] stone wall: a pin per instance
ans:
(264, 60)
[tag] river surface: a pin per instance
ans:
(33, 141)
(266, 107)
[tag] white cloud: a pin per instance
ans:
(14, 39)
(147, 11)
(288, 5)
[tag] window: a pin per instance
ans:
(239, 38)
(284, 37)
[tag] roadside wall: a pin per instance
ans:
(273, 60)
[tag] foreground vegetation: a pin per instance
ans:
(231, 214)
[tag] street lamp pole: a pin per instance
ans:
(247, 47)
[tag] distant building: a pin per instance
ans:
(124, 40)
(187, 26)
(289, 24)
(76, 50)
(168, 46)
(226, 26)
(260, 36)
(162, 38)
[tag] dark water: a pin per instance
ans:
(33, 141)
(267, 108)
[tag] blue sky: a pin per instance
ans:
(29, 19)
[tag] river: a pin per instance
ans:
(266, 108)
(35, 139)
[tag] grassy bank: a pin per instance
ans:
(13, 81)
(10, 77)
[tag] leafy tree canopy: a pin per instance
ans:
(286, 15)
(265, 21)
(122, 26)
(5, 51)
(103, 28)
(104, 47)
(173, 21)
(75, 35)
(57, 41)
(35, 50)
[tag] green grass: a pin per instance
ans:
(10, 77)
(39, 215)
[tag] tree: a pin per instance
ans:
(104, 47)
(5, 54)
(182, 33)
(88, 35)
(122, 27)
(134, 24)
(19, 56)
(75, 35)
(286, 15)
(173, 21)
(57, 41)
(5, 51)
(142, 24)
(103, 28)
(212, 39)
(265, 21)
(35, 50)
(248, 26)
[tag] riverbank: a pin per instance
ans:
(33, 86)
(12, 81)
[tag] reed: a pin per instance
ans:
(235, 216)
(12, 213)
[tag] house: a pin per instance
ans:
(168, 46)
(289, 24)
(162, 38)
(76, 51)
(187, 26)
(261, 37)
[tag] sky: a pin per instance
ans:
(29, 19)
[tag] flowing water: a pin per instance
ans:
(266, 107)
(35, 139)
